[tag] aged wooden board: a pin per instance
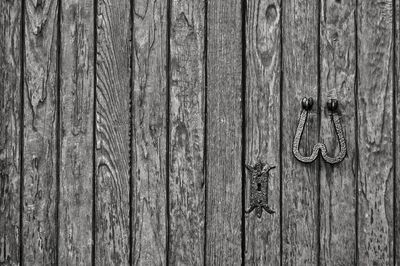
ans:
(187, 106)
(10, 110)
(40, 120)
(224, 133)
(76, 166)
(396, 135)
(149, 150)
(112, 154)
(263, 46)
(299, 181)
(338, 182)
(375, 106)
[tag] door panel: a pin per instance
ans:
(262, 110)
(112, 136)
(187, 125)
(10, 131)
(396, 137)
(149, 133)
(300, 182)
(338, 182)
(375, 122)
(76, 119)
(224, 133)
(40, 147)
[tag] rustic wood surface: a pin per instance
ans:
(338, 182)
(40, 124)
(263, 51)
(396, 135)
(224, 133)
(10, 132)
(125, 127)
(76, 103)
(300, 181)
(149, 145)
(187, 110)
(375, 182)
(113, 119)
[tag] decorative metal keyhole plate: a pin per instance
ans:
(332, 106)
(259, 179)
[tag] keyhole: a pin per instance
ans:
(259, 186)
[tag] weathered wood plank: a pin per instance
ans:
(10, 108)
(338, 182)
(263, 36)
(224, 133)
(375, 224)
(187, 182)
(300, 181)
(76, 166)
(39, 158)
(397, 134)
(149, 197)
(112, 132)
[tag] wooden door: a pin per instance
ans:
(125, 128)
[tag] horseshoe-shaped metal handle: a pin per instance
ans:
(332, 105)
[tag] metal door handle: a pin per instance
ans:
(332, 105)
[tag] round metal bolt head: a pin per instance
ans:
(332, 105)
(307, 103)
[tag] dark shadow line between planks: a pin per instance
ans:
(281, 136)
(95, 3)
(21, 132)
(356, 132)
(243, 159)
(131, 110)
(168, 127)
(319, 123)
(205, 154)
(394, 121)
(58, 129)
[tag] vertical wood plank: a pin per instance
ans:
(375, 185)
(76, 186)
(149, 195)
(112, 132)
(338, 182)
(39, 159)
(396, 133)
(263, 36)
(224, 133)
(300, 181)
(10, 107)
(187, 182)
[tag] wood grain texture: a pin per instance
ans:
(10, 107)
(149, 196)
(76, 166)
(224, 133)
(112, 132)
(396, 134)
(338, 182)
(263, 36)
(375, 225)
(300, 181)
(39, 158)
(187, 106)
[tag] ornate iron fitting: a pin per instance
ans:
(332, 106)
(259, 178)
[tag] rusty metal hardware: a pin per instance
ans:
(259, 179)
(332, 106)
